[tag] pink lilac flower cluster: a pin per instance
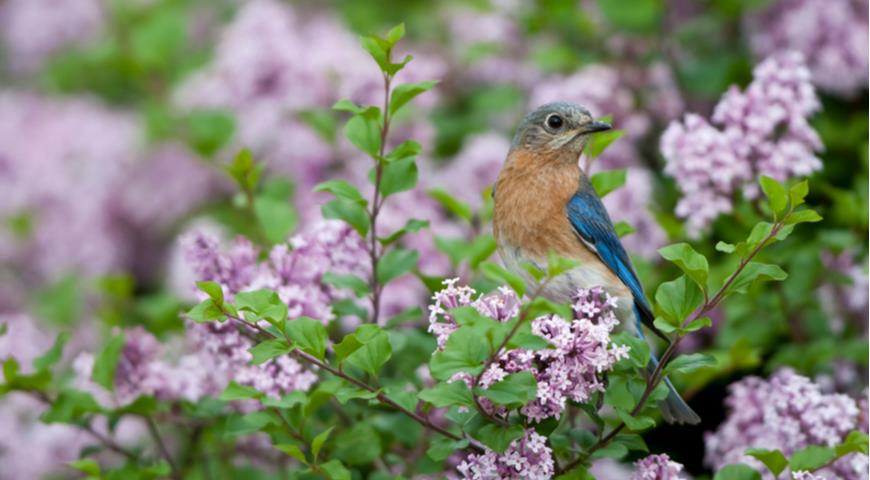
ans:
(33, 30)
(832, 35)
(657, 467)
(264, 73)
(145, 369)
(29, 448)
(79, 172)
(581, 348)
(294, 274)
(763, 130)
(527, 458)
(787, 412)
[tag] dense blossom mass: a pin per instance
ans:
(581, 348)
(832, 35)
(762, 130)
(787, 412)
(527, 457)
(657, 467)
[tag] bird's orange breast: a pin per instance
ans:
(531, 194)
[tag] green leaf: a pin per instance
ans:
(350, 212)
(725, 247)
(464, 351)
(86, 465)
(342, 189)
(515, 390)
(364, 131)
(678, 298)
(53, 355)
(292, 450)
(607, 181)
(309, 335)
(856, 442)
(406, 149)
(798, 192)
(599, 142)
(481, 249)
(213, 290)
(689, 261)
(455, 248)
(395, 34)
(499, 274)
(446, 394)
(244, 171)
(205, 311)
(737, 471)
(811, 458)
(358, 445)
(412, 225)
(635, 16)
(638, 353)
(452, 204)
(357, 285)
(404, 93)
(774, 460)
(234, 392)
(622, 229)
(396, 177)
(335, 470)
(289, 400)
(264, 304)
(70, 406)
(498, 438)
(440, 448)
(777, 197)
(635, 424)
(395, 264)
(267, 350)
(690, 362)
(243, 424)
(754, 271)
(276, 216)
(106, 362)
(208, 131)
(697, 324)
(803, 216)
(318, 442)
(373, 354)
(348, 345)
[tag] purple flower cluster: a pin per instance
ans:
(581, 348)
(295, 274)
(842, 302)
(831, 34)
(763, 130)
(787, 412)
(527, 458)
(79, 173)
(33, 30)
(657, 467)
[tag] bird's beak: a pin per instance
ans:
(596, 126)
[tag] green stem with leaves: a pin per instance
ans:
(377, 203)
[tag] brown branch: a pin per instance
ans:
(161, 446)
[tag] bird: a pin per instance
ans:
(544, 202)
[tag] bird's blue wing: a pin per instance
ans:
(592, 223)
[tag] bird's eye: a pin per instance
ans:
(554, 121)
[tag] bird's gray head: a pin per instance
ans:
(557, 127)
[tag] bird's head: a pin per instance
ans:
(557, 128)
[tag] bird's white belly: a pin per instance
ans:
(563, 287)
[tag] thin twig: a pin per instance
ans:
(161, 446)
(379, 395)
(377, 203)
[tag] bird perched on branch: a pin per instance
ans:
(545, 203)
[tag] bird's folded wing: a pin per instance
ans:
(592, 224)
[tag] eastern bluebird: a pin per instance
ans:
(544, 202)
